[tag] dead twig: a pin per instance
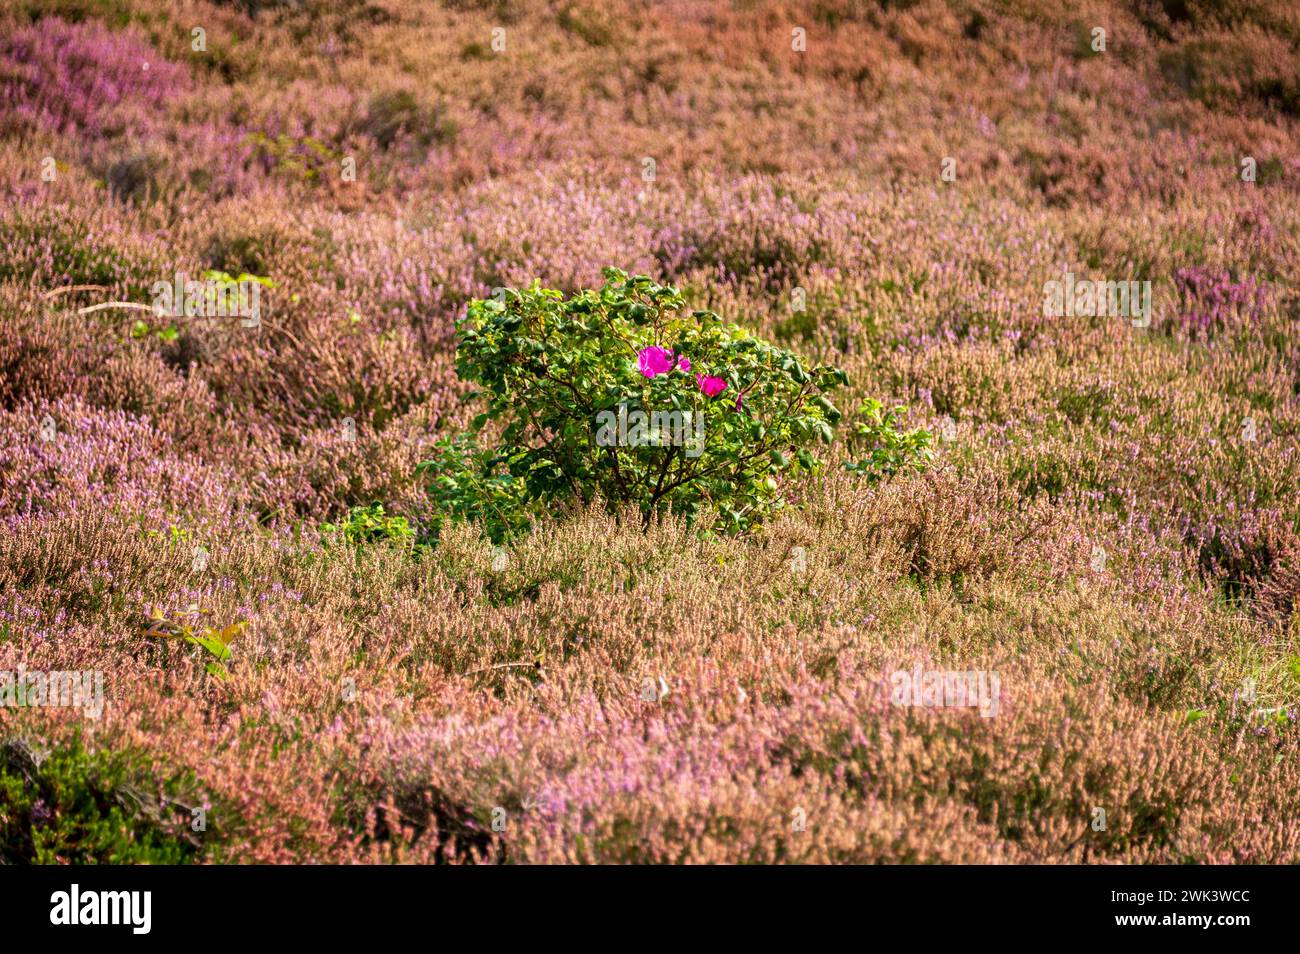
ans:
(67, 289)
(134, 305)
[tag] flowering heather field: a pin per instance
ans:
(307, 657)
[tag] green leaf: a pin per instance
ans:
(219, 671)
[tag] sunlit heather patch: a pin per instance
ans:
(85, 77)
(64, 457)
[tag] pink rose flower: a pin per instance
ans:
(654, 360)
(683, 363)
(711, 386)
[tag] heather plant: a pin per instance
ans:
(618, 395)
(86, 77)
(1210, 301)
(54, 245)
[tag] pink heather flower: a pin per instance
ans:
(683, 363)
(654, 360)
(711, 386)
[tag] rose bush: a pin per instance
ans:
(620, 394)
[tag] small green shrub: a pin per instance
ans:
(306, 159)
(138, 176)
(235, 250)
(619, 395)
(370, 525)
(592, 25)
(390, 116)
(213, 642)
(888, 450)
